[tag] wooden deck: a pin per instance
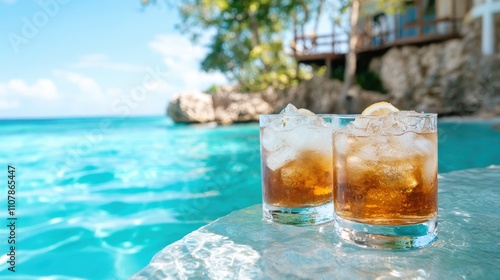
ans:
(330, 49)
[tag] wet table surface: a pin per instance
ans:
(242, 246)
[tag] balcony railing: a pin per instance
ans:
(410, 33)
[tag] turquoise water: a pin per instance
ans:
(97, 198)
(468, 144)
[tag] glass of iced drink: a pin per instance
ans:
(297, 167)
(385, 177)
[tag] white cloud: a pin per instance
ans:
(114, 91)
(86, 85)
(17, 97)
(6, 104)
(42, 88)
(177, 47)
(80, 95)
(96, 98)
(8, 1)
(182, 60)
(84, 93)
(101, 61)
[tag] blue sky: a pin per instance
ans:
(64, 58)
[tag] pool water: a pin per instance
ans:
(98, 197)
(467, 144)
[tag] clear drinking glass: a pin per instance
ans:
(385, 179)
(297, 168)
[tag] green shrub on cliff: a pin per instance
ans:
(366, 79)
(369, 80)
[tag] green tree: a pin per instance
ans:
(359, 8)
(247, 37)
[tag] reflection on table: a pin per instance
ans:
(242, 246)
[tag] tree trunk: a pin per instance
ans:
(318, 16)
(254, 28)
(350, 64)
(295, 41)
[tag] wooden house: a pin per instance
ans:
(422, 22)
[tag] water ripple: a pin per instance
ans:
(121, 199)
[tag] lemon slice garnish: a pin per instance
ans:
(305, 112)
(379, 109)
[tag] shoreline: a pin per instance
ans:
(213, 123)
(447, 119)
(469, 119)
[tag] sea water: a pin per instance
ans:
(96, 198)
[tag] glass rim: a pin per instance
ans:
(414, 115)
(296, 116)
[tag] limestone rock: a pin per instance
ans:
(225, 106)
(319, 94)
(297, 95)
(453, 56)
(322, 96)
(231, 106)
(450, 78)
(324, 99)
(359, 99)
(391, 72)
(191, 107)
(375, 65)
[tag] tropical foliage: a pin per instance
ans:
(248, 39)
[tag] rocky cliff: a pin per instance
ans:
(450, 78)
(225, 106)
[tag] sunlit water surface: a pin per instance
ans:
(97, 198)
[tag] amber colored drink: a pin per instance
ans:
(385, 179)
(304, 181)
(392, 188)
(297, 168)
